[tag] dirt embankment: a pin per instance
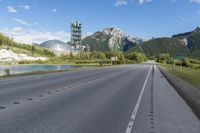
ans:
(188, 92)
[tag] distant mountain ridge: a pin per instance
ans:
(187, 33)
(110, 39)
(191, 39)
(183, 44)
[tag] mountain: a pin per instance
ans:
(56, 46)
(162, 45)
(110, 39)
(184, 44)
(191, 40)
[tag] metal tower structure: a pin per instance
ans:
(76, 34)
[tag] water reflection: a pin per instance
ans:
(32, 68)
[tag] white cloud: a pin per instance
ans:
(25, 7)
(197, 1)
(29, 35)
(125, 2)
(121, 2)
(20, 21)
(11, 9)
(144, 1)
(54, 10)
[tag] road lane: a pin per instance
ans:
(92, 101)
(72, 103)
(25, 89)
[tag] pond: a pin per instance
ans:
(33, 68)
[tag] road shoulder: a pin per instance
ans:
(189, 93)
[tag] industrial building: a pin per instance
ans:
(76, 37)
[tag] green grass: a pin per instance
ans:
(190, 75)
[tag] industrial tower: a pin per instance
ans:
(76, 35)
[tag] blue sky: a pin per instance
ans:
(39, 20)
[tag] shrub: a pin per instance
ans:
(165, 58)
(137, 57)
(186, 62)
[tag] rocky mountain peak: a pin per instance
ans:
(113, 31)
(111, 39)
(197, 29)
(133, 39)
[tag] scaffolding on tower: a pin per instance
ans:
(76, 35)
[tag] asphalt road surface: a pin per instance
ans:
(124, 99)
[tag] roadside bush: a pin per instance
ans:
(186, 63)
(25, 62)
(137, 57)
(165, 58)
(195, 66)
(129, 61)
(194, 61)
(100, 61)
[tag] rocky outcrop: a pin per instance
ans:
(10, 56)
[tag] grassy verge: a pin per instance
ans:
(188, 74)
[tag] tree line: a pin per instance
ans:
(102, 57)
(184, 61)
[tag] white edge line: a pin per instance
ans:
(133, 116)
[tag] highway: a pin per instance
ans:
(122, 99)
